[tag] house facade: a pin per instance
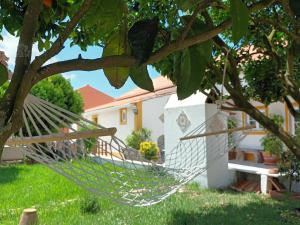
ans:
(135, 109)
(161, 112)
(253, 139)
(139, 108)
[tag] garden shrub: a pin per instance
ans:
(149, 150)
(137, 137)
(89, 143)
(272, 143)
(231, 123)
(89, 204)
(289, 165)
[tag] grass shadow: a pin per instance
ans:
(249, 214)
(9, 174)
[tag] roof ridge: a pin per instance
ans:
(93, 88)
(126, 95)
(144, 93)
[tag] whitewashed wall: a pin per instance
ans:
(152, 110)
(110, 117)
(217, 174)
(253, 141)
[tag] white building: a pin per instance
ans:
(139, 108)
(254, 136)
(136, 109)
(158, 111)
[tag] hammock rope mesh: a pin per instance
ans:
(114, 170)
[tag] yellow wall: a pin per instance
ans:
(138, 124)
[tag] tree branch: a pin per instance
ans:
(278, 27)
(24, 53)
(10, 107)
(29, 27)
(286, 6)
(260, 5)
(226, 108)
(63, 36)
(127, 61)
(290, 106)
(201, 6)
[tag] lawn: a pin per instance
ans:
(58, 202)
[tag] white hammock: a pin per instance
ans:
(114, 170)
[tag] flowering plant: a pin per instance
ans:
(149, 150)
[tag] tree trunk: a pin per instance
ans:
(11, 114)
(13, 127)
(265, 121)
(29, 217)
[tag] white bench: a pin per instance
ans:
(255, 168)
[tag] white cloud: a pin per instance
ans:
(70, 76)
(9, 46)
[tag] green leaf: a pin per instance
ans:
(103, 16)
(141, 78)
(3, 74)
(185, 5)
(240, 19)
(185, 74)
(192, 70)
(117, 45)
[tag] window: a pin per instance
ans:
(291, 123)
(95, 118)
(123, 116)
(251, 121)
(248, 120)
(296, 121)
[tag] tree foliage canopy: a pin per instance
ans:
(109, 25)
(190, 41)
(56, 90)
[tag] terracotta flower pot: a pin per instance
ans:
(48, 3)
(231, 155)
(269, 159)
(249, 156)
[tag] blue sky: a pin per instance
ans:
(78, 79)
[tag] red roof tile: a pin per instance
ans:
(93, 97)
(162, 86)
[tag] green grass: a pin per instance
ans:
(58, 202)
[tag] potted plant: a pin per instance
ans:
(272, 145)
(231, 123)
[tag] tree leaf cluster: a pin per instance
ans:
(107, 25)
(263, 80)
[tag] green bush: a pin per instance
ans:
(89, 143)
(149, 150)
(289, 164)
(137, 137)
(231, 123)
(89, 204)
(271, 143)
